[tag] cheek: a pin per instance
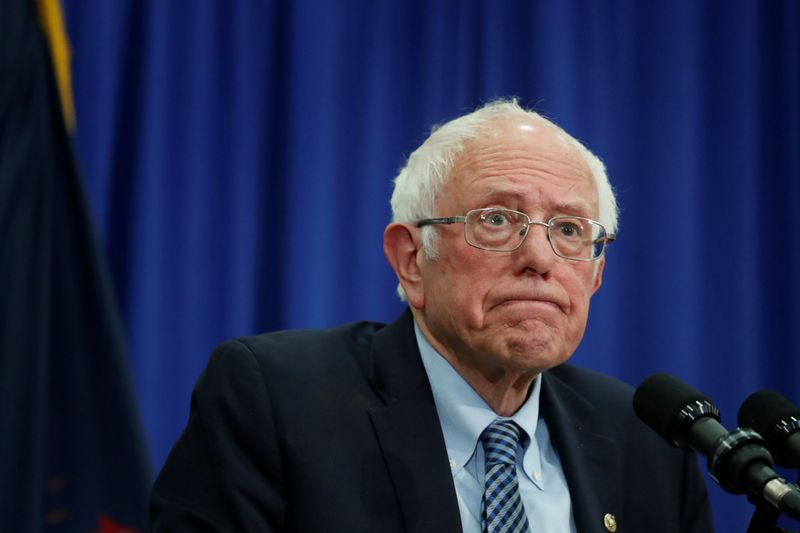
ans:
(472, 285)
(461, 287)
(580, 293)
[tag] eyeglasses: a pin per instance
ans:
(504, 230)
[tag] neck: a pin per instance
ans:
(505, 390)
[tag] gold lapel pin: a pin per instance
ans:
(610, 521)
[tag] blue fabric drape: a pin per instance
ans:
(239, 158)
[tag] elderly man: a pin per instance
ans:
(462, 415)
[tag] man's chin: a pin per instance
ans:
(534, 352)
(538, 327)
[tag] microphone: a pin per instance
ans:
(778, 421)
(737, 460)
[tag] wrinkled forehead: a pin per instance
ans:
(523, 145)
(535, 134)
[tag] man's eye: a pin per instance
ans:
(569, 229)
(496, 218)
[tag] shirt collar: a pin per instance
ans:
(464, 415)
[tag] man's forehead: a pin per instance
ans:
(510, 140)
(530, 134)
(510, 147)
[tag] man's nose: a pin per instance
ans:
(535, 251)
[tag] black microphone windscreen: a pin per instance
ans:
(763, 409)
(658, 402)
(772, 416)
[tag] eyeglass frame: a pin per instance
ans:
(609, 237)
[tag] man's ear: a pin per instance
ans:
(401, 244)
(598, 275)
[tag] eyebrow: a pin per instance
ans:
(572, 207)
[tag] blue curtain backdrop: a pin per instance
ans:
(239, 155)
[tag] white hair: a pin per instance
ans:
(420, 181)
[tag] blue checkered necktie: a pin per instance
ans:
(501, 509)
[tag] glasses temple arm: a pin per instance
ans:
(444, 220)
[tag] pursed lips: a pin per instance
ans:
(520, 299)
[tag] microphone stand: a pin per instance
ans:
(765, 520)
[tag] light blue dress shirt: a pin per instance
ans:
(463, 416)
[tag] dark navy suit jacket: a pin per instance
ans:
(337, 431)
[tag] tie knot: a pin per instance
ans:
(500, 442)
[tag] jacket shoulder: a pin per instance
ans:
(307, 349)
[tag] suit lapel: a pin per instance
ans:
(409, 432)
(589, 457)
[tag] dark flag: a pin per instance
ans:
(71, 451)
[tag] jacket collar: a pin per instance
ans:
(409, 433)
